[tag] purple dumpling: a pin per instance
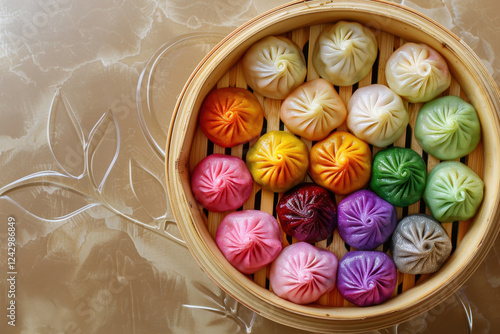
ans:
(308, 213)
(365, 221)
(366, 278)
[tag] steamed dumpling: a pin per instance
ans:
(274, 66)
(365, 221)
(249, 239)
(366, 277)
(453, 192)
(398, 176)
(420, 245)
(341, 163)
(417, 72)
(230, 116)
(221, 182)
(345, 53)
(307, 212)
(278, 161)
(313, 110)
(377, 115)
(448, 128)
(302, 273)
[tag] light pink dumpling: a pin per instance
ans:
(302, 273)
(221, 182)
(249, 239)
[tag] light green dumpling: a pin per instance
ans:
(448, 128)
(453, 192)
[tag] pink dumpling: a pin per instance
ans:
(302, 273)
(249, 239)
(221, 182)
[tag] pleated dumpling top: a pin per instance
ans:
(302, 273)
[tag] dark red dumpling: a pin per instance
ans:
(308, 213)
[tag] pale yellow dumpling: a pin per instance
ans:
(417, 72)
(274, 66)
(345, 53)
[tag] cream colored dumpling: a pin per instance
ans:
(344, 53)
(313, 110)
(417, 72)
(377, 115)
(274, 66)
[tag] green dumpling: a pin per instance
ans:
(448, 128)
(398, 176)
(453, 192)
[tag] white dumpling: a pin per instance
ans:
(417, 72)
(274, 66)
(377, 115)
(344, 53)
(313, 110)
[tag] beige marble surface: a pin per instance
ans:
(81, 151)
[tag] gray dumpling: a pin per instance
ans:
(420, 245)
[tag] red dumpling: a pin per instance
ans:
(249, 239)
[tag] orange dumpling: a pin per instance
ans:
(341, 163)
(230, 116)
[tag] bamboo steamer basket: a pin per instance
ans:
(302, 21)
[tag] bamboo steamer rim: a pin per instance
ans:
(473, 77)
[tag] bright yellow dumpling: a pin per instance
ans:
(278, 161)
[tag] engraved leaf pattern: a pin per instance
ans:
(103, 136)
(62, 202)
(86, 165)
(65, 135)
(148, 190)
